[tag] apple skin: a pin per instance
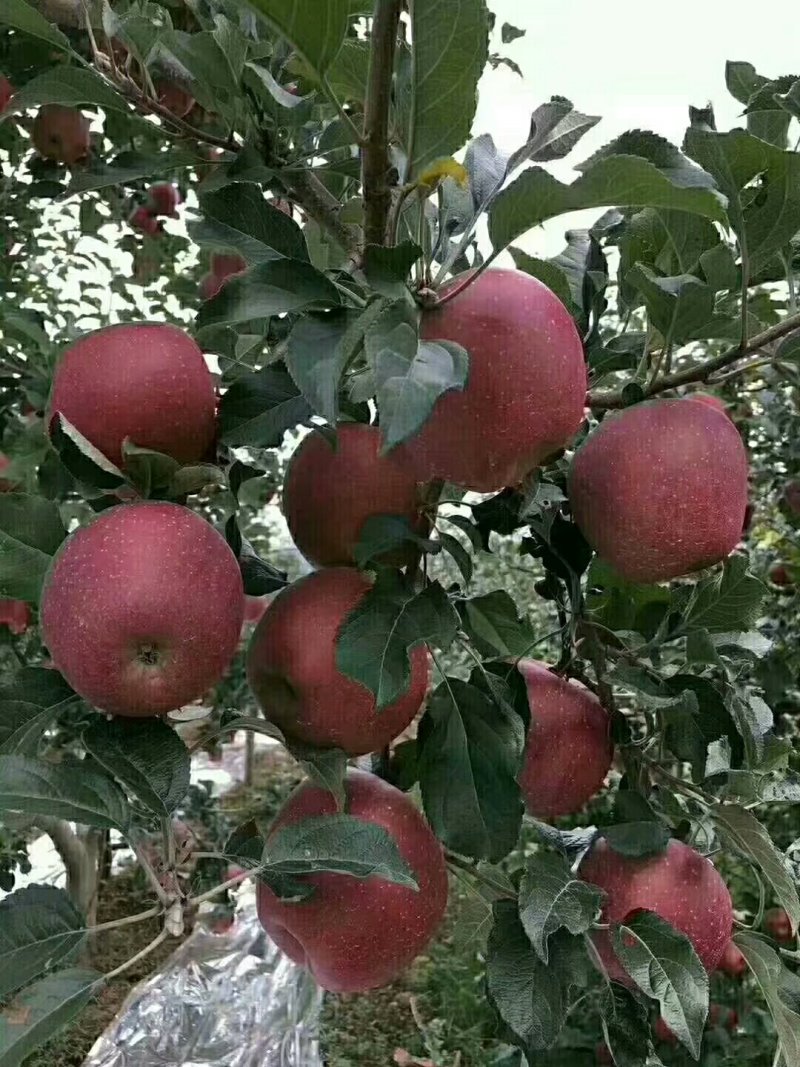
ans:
(679, 884)
(711, 400)
(779, 575)
(733, 962)
(163, 198)
(567, 720)
(357, 934)
(142, 609)
(254, 608)
(15, 614)
(525, 393)
(779, 925)
(173, 98)
(331, 490)
(141, 219)
(6, 92)
(660, 489)
(145, 381)
(227, 264)
(663, 1032)
(291, 667)
(61, 134)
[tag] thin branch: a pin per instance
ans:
(162, 937)
(479, 876)
(375, 142)
(330, 93)
(211, 893)
(472, 276)
(128, 920)
(607, 398)
(323, 207)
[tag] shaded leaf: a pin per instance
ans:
(39, 928)
(495, 626)
(71, 790)
(271, 288)
(551, 898)
(781, 989)
(239, 217)
(259, 408)
(31, 531)
(42, 1010)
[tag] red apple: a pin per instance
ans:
(525, 393)
(6, 92)
(174, 98)
(227, 264)
(779, 925)
(16, 615)
(142, 609)
(145, 381)
(210, 285)
(791, 497)
(356, 934)
(660, 489)
(733, 962)
(679, 884)
(163, 198)
(141, 219)
(254, 608)
(663, 1033)
(291, 667)
(62, 134)
(569, 750)
(711, 400)
(331, 490)
(779, 575)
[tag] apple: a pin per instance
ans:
(145, 381)
(141, 219)
(791, 497)
(779, 575)
(227, 264)
(779, 925)
(733, 962)
(291, 667)
(660, 489)
(567, 720)
(663, 1032)
(163, 198)
(679, 884)
(330, 491)
(711, 400)
(6, 92)
(174, 98)
(356, 934)
(210, 285)
(15, 614)
(142, 609)
(61, 134)
(525, 392)
(254, 608)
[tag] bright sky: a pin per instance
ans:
(638, 65)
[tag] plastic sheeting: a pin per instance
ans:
(221, 1000)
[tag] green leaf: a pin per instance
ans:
(781, 989)
(556, 127)
(457, 552)
(726, 602)
(494, 625)
(348, 74)
(22, 726)
(470, 750)
(24, 17)
(128, 167)
(259, 408)
(531, 997)
(387, 269)
(626, 179)
(83, 461)
(625, 1026)
(42, 686)
(546, 271)
(551, 898)
(679, 306)
(39, 927)
(665, 966)
(438, 96)
(740, 830)
(320, 347)
(38, 1013)
(339, 843)
(270, 288)
(326, 766)
(71, 790)
(317, 33)
(30, 533)
(642, 838)
(150, 472)
(376, 637)
(238, 216)
(70, 86)
(382, 534)
(742, 80)
(147, 756)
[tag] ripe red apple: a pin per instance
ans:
(62, 134)
(227, 264)
(779, 925)
(6, 92)
(779, 575)
(524, 397)
(733, 962)
(331, 490)
(356, 934)
(163, 198)
(660, 489)
(141, 219)
(791, 497)
(291, 667)
(142, 609)
(16, 615)
(174, 98)
(210, 285)
(569, 749)
(145, 381)
(663, 1032)
(254, 608)
(679, 884)
(711, 400)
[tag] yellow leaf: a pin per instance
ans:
(443, 168)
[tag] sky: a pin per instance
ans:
(637, 64)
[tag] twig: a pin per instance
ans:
(346, 119)
(128, 920)
(162, 937)
(211, 893)
(152, 877)
(375, 142)
(472, 276)
(607, 398)
(323, 207)
(478, 875)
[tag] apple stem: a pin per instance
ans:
(478, 875)
(162, 937)
(128, 920)
(211, 893)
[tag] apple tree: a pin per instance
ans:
(353, 271)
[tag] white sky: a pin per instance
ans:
(637, 64)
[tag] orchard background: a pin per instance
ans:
(592, 594)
